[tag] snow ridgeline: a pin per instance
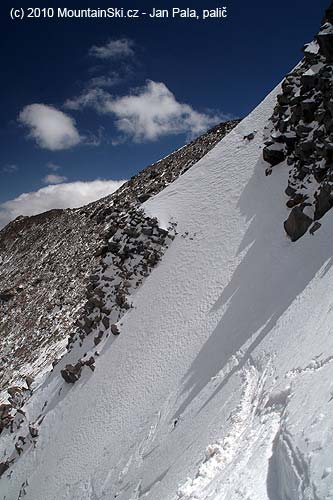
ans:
(46, 262)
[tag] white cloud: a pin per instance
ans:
(154, 111)
(9, 169)
(69, 195)
(114, 49)
(147, 113)
(53, 166)
(110, 80)
(50, 128)
(54, 179)
(94, 98)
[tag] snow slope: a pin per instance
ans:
(219, 386)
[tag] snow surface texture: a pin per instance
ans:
(47, 261)
(219, 385)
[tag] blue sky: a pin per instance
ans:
(99, 80)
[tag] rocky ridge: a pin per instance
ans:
(300, 134)
(66, 276)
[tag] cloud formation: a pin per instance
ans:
(147, 113)
(9, 169)
(113, 49)
(53, 166)
(54, 179)
(50, 128)
(69, 195)
(105, 81)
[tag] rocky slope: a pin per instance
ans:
(52, 286)
(300, 134)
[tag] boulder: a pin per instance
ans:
(325, 40)
(29, 381)
(297, 224)
(296, 200)
(3, 467)
(290, 191)
(6, 296)
(98, 338)
(114, 329)
(308, 108)
(106, 322)
(90, 362)
(33, 432)
(72, 373)
(315, 227)
(14, 390)
(324, 202)
(143, 197)
(250, 136)
(273, 154)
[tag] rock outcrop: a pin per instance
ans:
(300, 133)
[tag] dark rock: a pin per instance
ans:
(297, 224)
(304, 149)
(323, 201)
(102, 251)
(98, 338)
(283, 99)
(162, 232)
(33, 431)
(6, 296)
(4, 410)
(106, 322)
(3, 467)
(147, 231)
(296, 200)
(121, 299)
(113, 247)
(308, 108)
(325, 41)
(92, 303)
(273, 156)
(143, 197)
(308, 82)
(315, 227)
(72, 373)
(250, 136)
(90, 362)
(114, 329)
(132, 232)
(94, 278)
(55, 362)
(290, 191)
(14, 390)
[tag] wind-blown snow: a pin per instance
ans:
(219, 386)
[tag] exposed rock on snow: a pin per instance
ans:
(47, 264)
(297, 224)
(303, 127)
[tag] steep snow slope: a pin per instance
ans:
(46, 262)
(219, 386)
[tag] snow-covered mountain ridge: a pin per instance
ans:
(219, 385)
(46, 262)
